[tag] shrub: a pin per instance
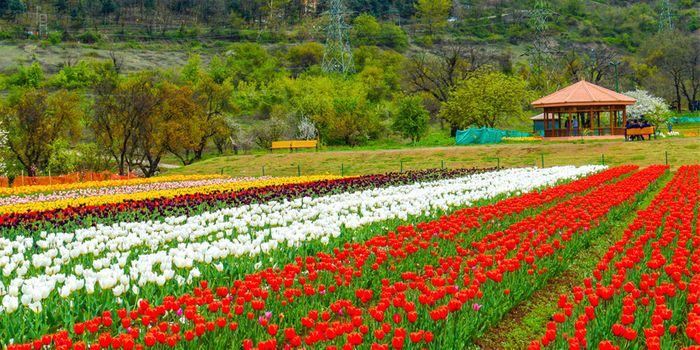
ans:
(89, 37)
(411, 119)
(55, 38)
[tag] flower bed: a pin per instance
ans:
(644, 291)
(434, 284)
(220, 197)
(135, 254)
(119, 197)
(19, 190)
(20, 203)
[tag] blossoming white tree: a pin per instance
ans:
(652, 108)
(3, 142)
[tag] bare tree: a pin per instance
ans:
(438, 71)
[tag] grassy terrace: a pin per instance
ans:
(368, 160)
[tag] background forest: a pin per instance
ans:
(126, 84)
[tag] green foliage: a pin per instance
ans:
(433, 14)
(303, 56)
(373, 79)
(89, 37)
(63, 158)
(339, 108)
(71, 77)
(190, 72)
(16, 7)
(28, 77)
(217, 70)
(250, 62)
(486, 99)
(365, 30)
(55, 38)
(392, 36)
(270, 130)
(36, 120)
(411, 118)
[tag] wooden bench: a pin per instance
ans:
(648, 131)
(294, 144)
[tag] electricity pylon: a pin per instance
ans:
(665, 21)
(337, 57)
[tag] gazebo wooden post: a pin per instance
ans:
(612, 121)
(624, 117)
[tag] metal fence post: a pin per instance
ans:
(542, 160)
(401, 166)
(342, 169)
(602, 157)
(498, 162)
(298, 169)
(666, 157)
(442, 164)
(263, 169)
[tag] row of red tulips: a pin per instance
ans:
(644, 291)
(433, 285)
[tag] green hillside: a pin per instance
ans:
(120, 85)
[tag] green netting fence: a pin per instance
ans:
(480, 136)
(685, 120)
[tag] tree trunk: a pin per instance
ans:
(678, 95)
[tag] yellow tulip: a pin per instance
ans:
(17, 190)
(117, 198)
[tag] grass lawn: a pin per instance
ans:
(366, 161)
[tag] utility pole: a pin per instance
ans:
(617, 82)
(665, 20)
(337, 57)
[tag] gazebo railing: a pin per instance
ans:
(562, 132)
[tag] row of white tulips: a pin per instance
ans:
(126, 256)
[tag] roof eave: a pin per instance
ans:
(586, 104)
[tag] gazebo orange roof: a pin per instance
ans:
(583, 93)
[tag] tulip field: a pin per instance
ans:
(425, 259)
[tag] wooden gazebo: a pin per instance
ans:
(584, 109)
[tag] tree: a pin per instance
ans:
(198, 114)
(438, 71)
(17, 7)
(392, 36)
(365, 30)
(597, 62)
(190, 71)
(80, 75)
(3, 143)
(214, 101)
(646, 103)
(487, 99)
(28, 77)
(677, 58)
(411, 119)
(339, 108)
(302, 56)
(250, 62)
(121, 111)
(433, 14)
(37, 119)
(652, 108)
